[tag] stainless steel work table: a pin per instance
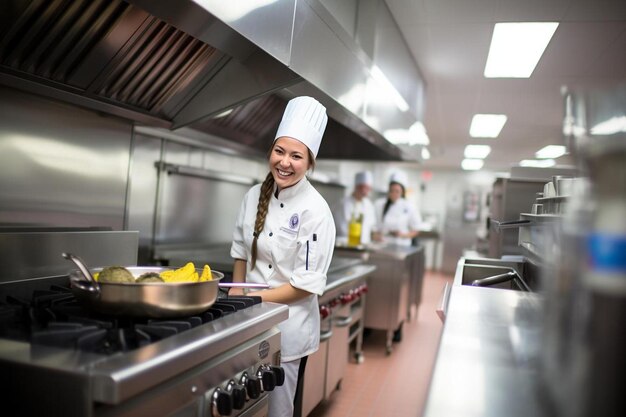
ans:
(395, 287)
(488, 355)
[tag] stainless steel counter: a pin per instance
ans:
(396, 284)
(487, 363)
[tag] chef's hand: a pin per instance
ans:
(377, 236)
(235, 291)
(395, 233)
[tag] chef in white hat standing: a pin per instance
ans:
(356, 207)
(284, 237)
(397, 220)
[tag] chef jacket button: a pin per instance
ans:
(271, 234)
(270, 265)
(282, 205)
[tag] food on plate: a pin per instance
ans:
(115, 274)
(149, 277)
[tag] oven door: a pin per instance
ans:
(259, 409)
(315, 375)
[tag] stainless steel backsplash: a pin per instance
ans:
(63, 166)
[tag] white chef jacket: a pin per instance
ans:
(401, 216)
(296, 247)
(349, 206)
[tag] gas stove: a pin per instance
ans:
(220, 362)
(58, 358)
(54, 317)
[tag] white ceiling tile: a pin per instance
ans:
(449, 40)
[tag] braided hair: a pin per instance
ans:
(388, 202)
(262, 207)
(261, 212)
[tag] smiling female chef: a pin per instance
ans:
(397, 221)
(284, 237)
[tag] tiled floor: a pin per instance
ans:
(394, 385)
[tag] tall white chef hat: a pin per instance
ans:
(400, 178)
(305, 120)
(364, 177)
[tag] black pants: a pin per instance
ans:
(297, 399)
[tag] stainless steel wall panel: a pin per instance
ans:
(61, 165)
(332, 193)
(266, 22)
(393, 57)
(345, 80)
(345, 12)
(37, 254)
(143, 191)
(197, 210)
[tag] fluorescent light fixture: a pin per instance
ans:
(414, 135)
(472, 164)
(223, 114)
(388, 90)
(397, 136)
(487, 125)
(517, 47)
(537, 163)
(418, 134)
(610, 127)
(425, 153)
(477, 151)
(550, 152)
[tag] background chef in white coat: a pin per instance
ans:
(284, 237)
(358, 206)
(397, 221)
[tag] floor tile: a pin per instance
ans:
(396, 384)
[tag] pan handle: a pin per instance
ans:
(91, 285)
(243, 285)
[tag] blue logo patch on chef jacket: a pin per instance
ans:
(293, 221)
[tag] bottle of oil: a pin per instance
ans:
(354, 229)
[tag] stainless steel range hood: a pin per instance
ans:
(205, 65)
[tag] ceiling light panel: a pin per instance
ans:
(516, 48)
(550, 152)
(537, 163)
(472, 164)
(477, 151)
(487, 125)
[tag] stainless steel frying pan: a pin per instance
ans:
(146, 299)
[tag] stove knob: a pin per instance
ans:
(324, 311)
(267, 377)
(252, 384)
(279, 373)
(238, 393)
(221, 403)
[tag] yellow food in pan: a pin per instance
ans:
(186, 273)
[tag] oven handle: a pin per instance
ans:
(442, 307)
(343, 322)
(324, 336)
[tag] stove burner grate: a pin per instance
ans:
(55, 318)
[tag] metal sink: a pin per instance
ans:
(492, 273)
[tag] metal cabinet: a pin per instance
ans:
(394, 288)
(315, 375)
